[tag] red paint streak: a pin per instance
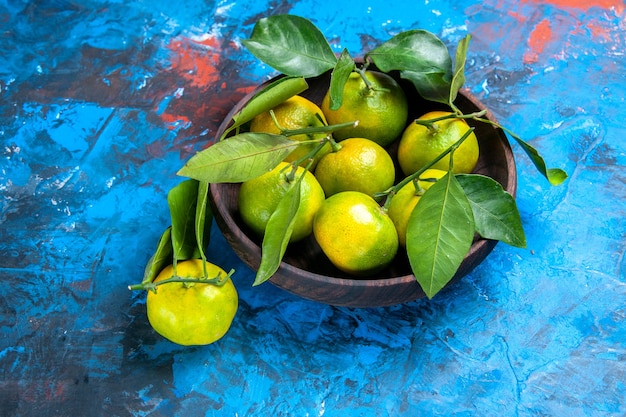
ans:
(196, 60)
(600, 32)
(45, 390)
(582, 4)
(242, 91)
(174, 121)
(517, 16)
(539, 37)
(200, 92)
(56, 391)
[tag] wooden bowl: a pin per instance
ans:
(305, 270)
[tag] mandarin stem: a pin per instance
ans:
(218, 280)
(311, 155)
(367, 82)
(393, 190)
(336, 146)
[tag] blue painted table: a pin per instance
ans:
(101, 102)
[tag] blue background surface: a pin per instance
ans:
(101, 102)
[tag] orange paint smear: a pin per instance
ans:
(600, 32)
(246, 90)
(517, 16)
(582, 4)
(196, 60)
(539, 37)
(173, 121)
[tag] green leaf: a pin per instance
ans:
(439, 234)
(204, 218)
(238, 158)
(182, 201)
(413, 50)
(431, 86)
(495, 213)
(555, 176)
(292, 45)
(277, 233)
(458, 79)
(341, 73)
(422, 58)
(269, 97)
(161, 258)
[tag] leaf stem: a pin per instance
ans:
(555, 176)
(495, 124)
(455, 115)
(318, 129)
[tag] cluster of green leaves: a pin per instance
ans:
(295, 47)
(187, 236)
(444, 223)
